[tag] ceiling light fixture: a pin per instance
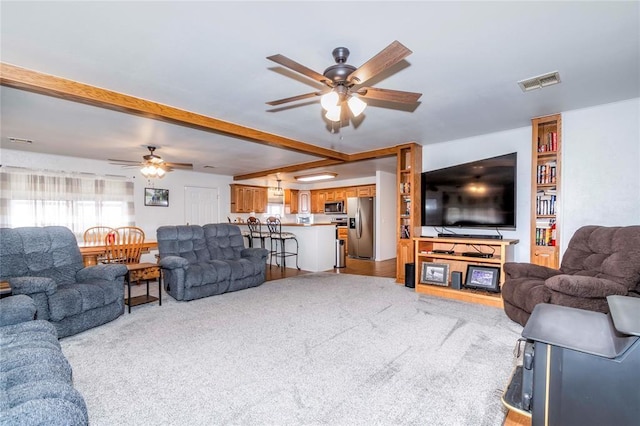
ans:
(152, 171)
(278, 191)
(333, 101)
(316, 176)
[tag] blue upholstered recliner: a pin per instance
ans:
(200, 261)
(37, 386)
(45, 263)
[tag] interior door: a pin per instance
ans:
(201, 205)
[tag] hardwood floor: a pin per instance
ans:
(385, 268)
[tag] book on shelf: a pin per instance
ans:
(546, 202)
(545, 232)
(546, 173)
(404, 232)
(549, 143)
(405, 187)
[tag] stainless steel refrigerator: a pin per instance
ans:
(360, 212)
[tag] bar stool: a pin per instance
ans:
(255, 231)
(279, 238)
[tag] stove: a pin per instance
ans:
(339, 221)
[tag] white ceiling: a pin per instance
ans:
(210, 58)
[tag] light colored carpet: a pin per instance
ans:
(314, 349)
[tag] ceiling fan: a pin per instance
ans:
(345, 82)
(152, 165)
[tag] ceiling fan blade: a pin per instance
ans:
(123, 161)
(389, 95)
(291, 64)
(388, 57)
(295, 98)
(178, 165)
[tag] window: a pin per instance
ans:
(77, 201)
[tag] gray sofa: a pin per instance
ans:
(45, 263)
(200, 261)
(35, 375)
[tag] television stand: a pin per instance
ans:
(480, 237)
(492, 252)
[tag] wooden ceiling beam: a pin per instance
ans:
(289, 169)
(45, 84)
(360, 156)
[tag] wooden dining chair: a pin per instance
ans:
(127, 245)
(98, 235)
(126, 248)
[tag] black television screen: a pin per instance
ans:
(479, 194)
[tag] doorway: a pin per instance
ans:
(201, 205)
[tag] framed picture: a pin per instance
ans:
(156, 197)
(435, 273)
(483, 277)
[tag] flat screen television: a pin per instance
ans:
(479, 194)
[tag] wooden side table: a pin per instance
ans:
(5, 289)
(139, 272)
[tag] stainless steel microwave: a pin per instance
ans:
(334, 207)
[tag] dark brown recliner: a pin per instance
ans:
(599, 261)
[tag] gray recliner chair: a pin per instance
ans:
(599, 261)
(45, 263)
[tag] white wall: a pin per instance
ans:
(600, 169)
(386, 211)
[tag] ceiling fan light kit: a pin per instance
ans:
(152, 166)
(151, 171)
(344, 81)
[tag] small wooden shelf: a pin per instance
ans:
(501, 250)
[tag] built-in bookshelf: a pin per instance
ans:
(546, 166)
(409, 169)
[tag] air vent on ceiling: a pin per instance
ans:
(540, 81)
(20, 140)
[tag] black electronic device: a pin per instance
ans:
(443, 251)
(456, 280)
(479, 194)
(477, 254)
(477, 236)
(483, 278)
(410, 275)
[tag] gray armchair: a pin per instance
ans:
(46, 264)
(599, 261)
(37, 385)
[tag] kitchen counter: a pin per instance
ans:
(316, 245)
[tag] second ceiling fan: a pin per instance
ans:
(345, 83)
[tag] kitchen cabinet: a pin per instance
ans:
(248, 199)
(291, 201)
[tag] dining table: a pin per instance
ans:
(91, 251)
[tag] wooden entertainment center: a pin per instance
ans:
(450, 251)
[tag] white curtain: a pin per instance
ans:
(77, 201)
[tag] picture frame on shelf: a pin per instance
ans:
(483, 278)
(435, 273)
(156, 197)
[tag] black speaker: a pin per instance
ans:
(410, 275)
(456, 280)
